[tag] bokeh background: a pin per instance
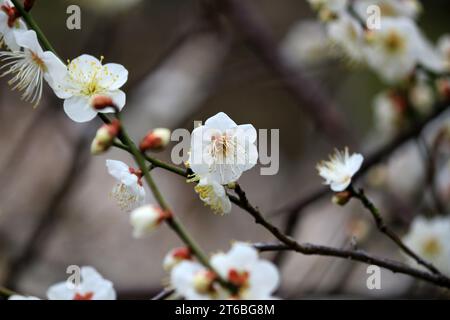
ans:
(55, 208)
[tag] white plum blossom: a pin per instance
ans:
(223, 150)
(389, 8)
(86, 78)
(348, 34)
(31, 66)
(214, 195)
(255, 279)
(176, 256)
(20, 297)
(129, 192)
(91, 287)
(145, 220)
(340, 169)
(397, 48)
(306, 44)
(430, 239)
(10, 28)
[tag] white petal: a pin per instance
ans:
(339, 186)
(118, 169)
(249, 131)
(29, 40)
(354, 163)
(264, 278)
(56, 72)
(220, 121)
(60, 291)
(79, 109)
(116, 76)
(182, 276)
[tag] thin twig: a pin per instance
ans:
(291, 244)
(381, 225)
(357, 255)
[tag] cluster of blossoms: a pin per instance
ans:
(251, 277)
(92, 286)
(395, 48)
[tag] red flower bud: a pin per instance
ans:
(155, 140)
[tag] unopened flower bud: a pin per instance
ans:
(175, 256)
(102, 102)
(155, 140)
(146, 219)
(203, 281)
(105, 137)
(341, 198)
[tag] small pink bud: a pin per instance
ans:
(155, 140)
(105, 137)
(103, 102)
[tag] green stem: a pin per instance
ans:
(173, 222)
(155, 162)
(33, 25)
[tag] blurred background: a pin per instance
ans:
(187, 64)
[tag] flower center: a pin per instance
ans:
(37, 60)
(125, 198)
(223, 145)
(431, 247)
(86, 296)
(239, 278)
(393, 42)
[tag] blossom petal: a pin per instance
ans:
(115, 76)
(29, 40)
(220, 121)
(60, 291)
(79, 109)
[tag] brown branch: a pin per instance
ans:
(357, 255)
(381, 225)
(291, 244)
(369, 162)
